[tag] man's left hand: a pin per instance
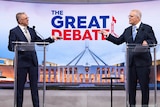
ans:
(57, 37)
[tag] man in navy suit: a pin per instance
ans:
(27, 60)
(139, 62)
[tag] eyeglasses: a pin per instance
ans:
(130, 16)
(25, 18)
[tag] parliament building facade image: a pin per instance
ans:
(81, 74)
(78, 74)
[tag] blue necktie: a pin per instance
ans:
(134, 32)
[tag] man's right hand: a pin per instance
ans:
(104, 32)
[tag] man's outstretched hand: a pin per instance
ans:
(57, 37)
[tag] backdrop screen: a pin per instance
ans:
(78, 24)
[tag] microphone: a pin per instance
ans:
(42, 36)
(33, 27)
(37, 32)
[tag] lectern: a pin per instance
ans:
(29, 46)
(135, 49)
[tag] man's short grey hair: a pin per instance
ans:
(138, 13)
(18, 15)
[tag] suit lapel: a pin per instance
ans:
(21, 35)
(130, 38)
(139, 32)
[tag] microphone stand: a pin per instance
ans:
(44, 68)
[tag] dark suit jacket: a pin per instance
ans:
(25, 58)
(145, 32)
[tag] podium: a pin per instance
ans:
(29, 46)
(137, 49)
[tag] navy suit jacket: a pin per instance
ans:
(25, 58)
(144, 32)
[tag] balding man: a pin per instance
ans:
(139, 62)
(27, 60)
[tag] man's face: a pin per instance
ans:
(24, 20)
(133, 18)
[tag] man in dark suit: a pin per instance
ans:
(139, 62)
(27, 60)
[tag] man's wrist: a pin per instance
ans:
(107, 35)
(52, 37)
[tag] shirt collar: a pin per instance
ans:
(22, 27)
(138, 24)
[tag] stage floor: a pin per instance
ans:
(75, 98)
